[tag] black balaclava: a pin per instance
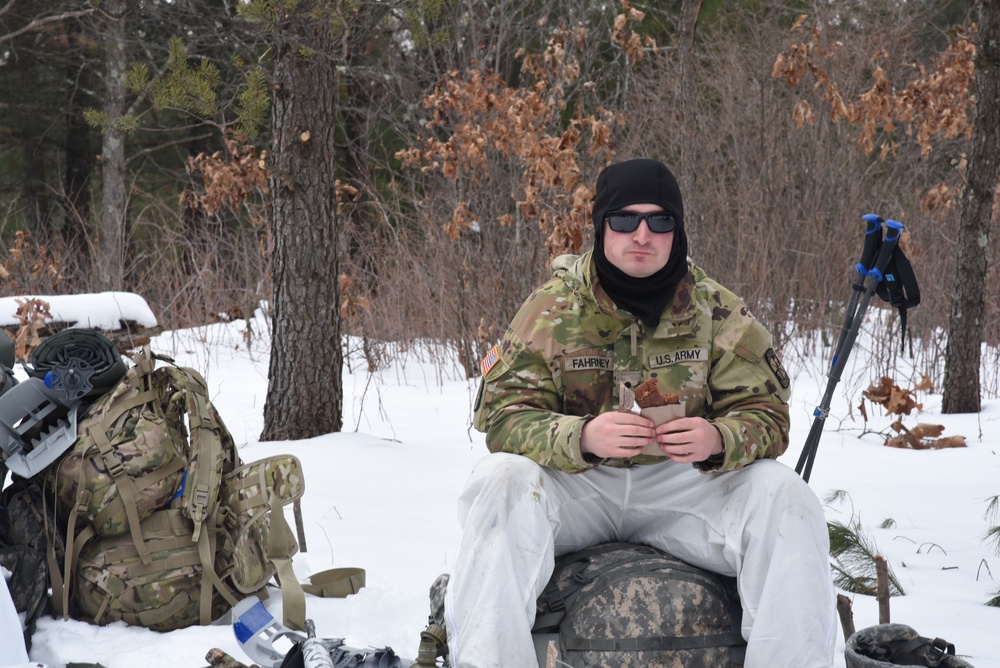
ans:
(639, 182)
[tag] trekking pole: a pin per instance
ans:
(873, 239)
(874, 277)
(314, 652)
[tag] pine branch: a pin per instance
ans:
(854, 561)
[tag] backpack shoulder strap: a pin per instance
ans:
(209, 442)
(201, 491)
(281, 547)
(900, 288)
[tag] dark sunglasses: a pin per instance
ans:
(660, 222)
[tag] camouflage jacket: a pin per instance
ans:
(569, 347)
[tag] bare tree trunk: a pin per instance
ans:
(305, 391)
(113, 193)
(965, 326)
(79, 165)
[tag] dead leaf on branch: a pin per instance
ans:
(924, 430)
(351, 305)
(33, 314)
(462, 220)
(527, 130)
(227, 181)
(344, 193)
(30, 263)
(922, 437)
(950, 442)
(802, 114)
(925, 384)
(898, 401)
(938, 101)
(890, 396)
(941, 198)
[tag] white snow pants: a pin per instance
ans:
(762, 524)
(12, 652)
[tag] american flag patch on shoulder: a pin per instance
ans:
(490, 360)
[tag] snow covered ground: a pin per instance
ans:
(381, 495)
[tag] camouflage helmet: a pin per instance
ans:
(899, 645)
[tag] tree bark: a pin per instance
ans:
(114, 196)
(961, 392)
(305, 393)
(79, 165)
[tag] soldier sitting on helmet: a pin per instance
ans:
(566, 472)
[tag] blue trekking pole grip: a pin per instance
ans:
(893, 229)
(873, 239)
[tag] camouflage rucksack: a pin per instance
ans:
(619, 604)
(622, 605)
(162, 526)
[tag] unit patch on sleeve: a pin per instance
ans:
(490, 360)
(776, 368)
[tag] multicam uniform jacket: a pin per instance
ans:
(569, 347)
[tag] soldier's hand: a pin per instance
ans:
(689, 439)
(616, 434)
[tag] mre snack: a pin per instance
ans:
(648, 395)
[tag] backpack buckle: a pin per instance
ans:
(555, 601)
(115, 467)
(942, 647)
(83, 502)
(227, 517)
(199, 500)
(202, 421)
